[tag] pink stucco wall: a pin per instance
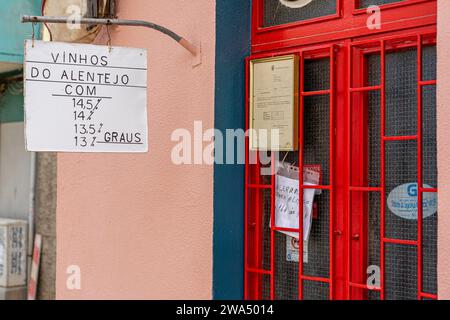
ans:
(443, 105)
(137, 225)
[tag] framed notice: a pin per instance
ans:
(274, 103)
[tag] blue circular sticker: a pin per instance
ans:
(402, 201)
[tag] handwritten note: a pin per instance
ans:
(287, 206)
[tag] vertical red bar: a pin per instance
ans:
(349, 169)
(331, 170)
(272, 231)
(246, 179)
(300, 179)
(362, 177)
(259, 242)
(338, 7)
(259, 14)
(252, 214)
(382, 165)
(419, 167)
(361, 164)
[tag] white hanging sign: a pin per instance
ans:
(85, 98)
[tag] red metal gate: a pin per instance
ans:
(366, 107)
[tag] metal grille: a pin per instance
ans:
(316, 134)
(429, 167)
(401, 168)
(316, 290)
(429, 244)
(366, 3)
(286, 272)
(401, 93)
(315, 151)
(387, 102)
(275, 13)
(277, 277)
(400, 272)
(404, 249)
(373, 237)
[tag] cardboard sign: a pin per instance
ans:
(13, 252)
(85, 98)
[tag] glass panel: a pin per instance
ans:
(286, 269)
(401, 190)
(366, 3)
(277, 12)
(429, 164)
(373, 69)
(429, 142)
(401, 93)
(374, 236)
(374, 137)
(429, 67)
(259, 257)
(401, 90)
(265, 284)
(316, 140)
(401, 169)
(319, 243)
(314, 67)
(313, 290)
(401, 272)
(316, 148)
(429, 249)
(316, 152)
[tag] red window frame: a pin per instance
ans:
(312, 39)
(258, 7)
(348, 22)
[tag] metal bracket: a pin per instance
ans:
(194, 50)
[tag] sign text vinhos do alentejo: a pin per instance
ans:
(85, 98)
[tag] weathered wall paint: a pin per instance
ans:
(443, 128)
(15, 172)
(45, 222)
(139, 226)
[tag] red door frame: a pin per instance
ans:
(253, 185)
(312, 39)
(358, 189)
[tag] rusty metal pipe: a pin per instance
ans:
(118, 22)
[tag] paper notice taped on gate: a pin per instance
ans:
(292, 251)
(286, 206)
(311, 173)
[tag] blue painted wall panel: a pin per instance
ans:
(12, 31)
(233, 32)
